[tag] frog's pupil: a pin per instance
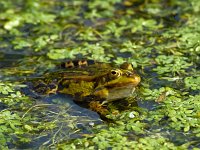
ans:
(113, 72)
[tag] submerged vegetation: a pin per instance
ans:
(160, 38)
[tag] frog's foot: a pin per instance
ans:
(98, 107)
(52, 89)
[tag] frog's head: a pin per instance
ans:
(118, 83)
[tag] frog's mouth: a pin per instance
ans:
(115, 93)
(117, 89)
(120, 92)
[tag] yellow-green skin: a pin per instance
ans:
(103, 81)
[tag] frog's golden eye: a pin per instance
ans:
(115, 73)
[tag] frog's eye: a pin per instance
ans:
(115, 73)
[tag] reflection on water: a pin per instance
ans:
(72, 121)
(75, 110)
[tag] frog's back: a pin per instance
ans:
(89, 78)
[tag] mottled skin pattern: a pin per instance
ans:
(98, 83)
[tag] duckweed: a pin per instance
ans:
(160, 39)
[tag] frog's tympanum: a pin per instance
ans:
(96, 84)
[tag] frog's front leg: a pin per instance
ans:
(98, 107)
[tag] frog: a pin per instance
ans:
(96, 83)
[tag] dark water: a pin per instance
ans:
(83, 120)
(9, 59)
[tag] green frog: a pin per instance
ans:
(96, 83)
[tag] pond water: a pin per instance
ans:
(159, 38)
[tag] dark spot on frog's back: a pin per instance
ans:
(77, 63)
